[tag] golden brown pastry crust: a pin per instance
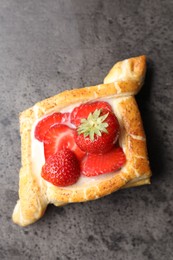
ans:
(122, 83)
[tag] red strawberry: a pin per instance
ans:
(84, 110)
(62, 168)
(98, 133)
(96, 164)
(59, 137)
(43, 125)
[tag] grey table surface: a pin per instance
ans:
(49, 46)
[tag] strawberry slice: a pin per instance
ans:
(43, 125)
(60, 137)
(84, 110)
(96, 164)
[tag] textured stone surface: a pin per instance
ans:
(49, 46)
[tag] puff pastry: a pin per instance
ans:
(120, 85)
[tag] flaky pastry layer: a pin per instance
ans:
(122, 82)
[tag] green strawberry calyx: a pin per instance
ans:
(93, 125)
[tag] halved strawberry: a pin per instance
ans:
(84, 110)
(58, 137)
(98, 133)
(62, 168)
(96, 164)
(48, 121)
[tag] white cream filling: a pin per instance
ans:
(37, 148)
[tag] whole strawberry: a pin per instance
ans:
(62, 168)
(98, 133)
